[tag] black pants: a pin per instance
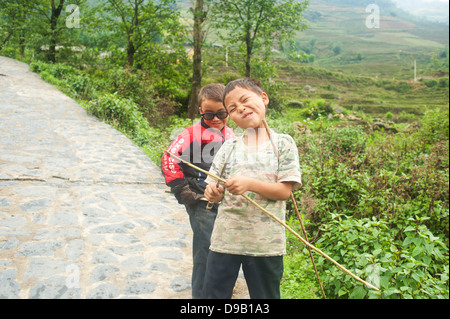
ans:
(202, 224)
(262, 274)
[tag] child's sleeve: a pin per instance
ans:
(289, 166)
(170, 167)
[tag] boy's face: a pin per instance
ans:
(211, 106)
(247, 108)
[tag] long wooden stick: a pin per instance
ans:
(277, 220)
(294, 202)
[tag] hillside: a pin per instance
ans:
(360, 68)
(384, 51)
(375, 67)
(338, 37)
(431, 10)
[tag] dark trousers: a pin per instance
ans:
(262, 274)
(202, 223)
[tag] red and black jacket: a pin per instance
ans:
(198, 145)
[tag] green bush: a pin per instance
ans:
(435, 127)
(389, 115)
(443, 82)
(430, 83)
(319, 108)
(348, 139)
(67, 78)
(122, 114)
(152, 99)
(378, 204)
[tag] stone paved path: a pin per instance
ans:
(83, 211)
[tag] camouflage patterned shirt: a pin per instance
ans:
(240, 227)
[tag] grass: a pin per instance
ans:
(372, 94)
(299, 279)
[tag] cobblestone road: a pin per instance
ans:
(83, 211)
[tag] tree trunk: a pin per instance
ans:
(22, 43)
(130, 53)
(199, 18)
(56, 12)
(248, 61)
(248, 58)
(7, 39)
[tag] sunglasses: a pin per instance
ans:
(221, 115)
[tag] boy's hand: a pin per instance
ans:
(238, 185)
(214, 194)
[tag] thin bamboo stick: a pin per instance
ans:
(277, 220)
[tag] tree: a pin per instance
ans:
(49, 26)
(12, 20)
(258, 24)
(56, 9)
(199, 18)
(36, 24)
(140, 22)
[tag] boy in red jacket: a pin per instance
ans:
(198, 145)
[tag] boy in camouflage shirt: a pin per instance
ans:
(243, 235)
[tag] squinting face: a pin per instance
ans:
(211, 106)
(247, 108)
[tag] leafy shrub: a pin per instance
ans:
(67, 78)
(389, 115)
(430, 83)
(137, 86)
(348, 139)
(377, 202)
(443, 82)
(122, 114)
(416, 267)
(319, 108)
(435, 127)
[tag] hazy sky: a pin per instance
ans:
(433, 0)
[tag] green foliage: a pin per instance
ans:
(266, 71)
(413, 268)
(154, 102)
(123, 114)
(318, 109)
(389, 115)
(435, 128)
(379, 202)
(397, 86)
(263, 21)
(294, 51)
(345, 140)
(69, 79)
(299, 279)
(337, 48)
(142, 26)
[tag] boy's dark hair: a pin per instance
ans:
(211, 92)
(244, 83)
